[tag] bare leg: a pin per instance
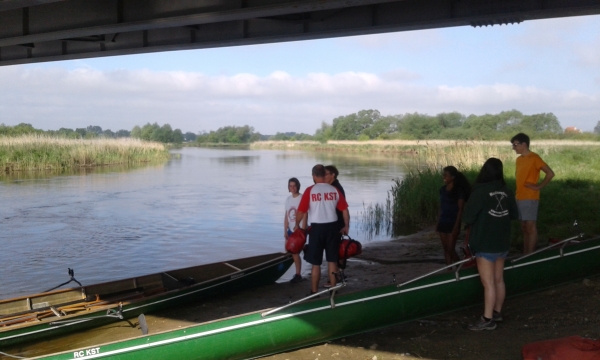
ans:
(449, 244)
(529, 236)
(499, 284)
(332, 268)
(298, 263)
(486, 273)
(315, 276)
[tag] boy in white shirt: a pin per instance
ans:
(289, 221)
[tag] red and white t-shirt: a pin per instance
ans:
(320, 201)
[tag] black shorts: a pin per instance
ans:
(445, 228)
(323, 237)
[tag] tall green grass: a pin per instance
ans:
(574, 193)
(39, 152)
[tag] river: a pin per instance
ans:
(202, 206)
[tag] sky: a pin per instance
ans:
(541, 66)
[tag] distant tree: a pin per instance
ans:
(349, 127)
(189, 136)
(324, 133)
(597, 128)
(451, 120)
(136, 132)
(154, 132)
(421, 126)
(81, 131)
(94, 130)
(279, 137)
(124, 133)
(149, 131)
(108, 133)
(543, 123)
(68, 133)
(18, 130)
(382, 127)
(230, 134)
(177, 136)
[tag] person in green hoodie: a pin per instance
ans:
(489, 212)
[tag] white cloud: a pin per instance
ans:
(52, 98)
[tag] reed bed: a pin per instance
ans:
(39, 152)
(572, 195)
(407, 146)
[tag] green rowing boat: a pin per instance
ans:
(311, 321)
(52, 313)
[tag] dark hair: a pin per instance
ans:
(492, 170)
(318, 171)
(460, 183)
(522, 138)
(296, 181)
(332, 169)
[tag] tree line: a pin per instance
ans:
(371, 125)
(362, 125)
(79, 133)
(150, 132)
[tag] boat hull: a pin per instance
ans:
(266, 270)
(313, 322)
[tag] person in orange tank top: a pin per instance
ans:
(528, 168)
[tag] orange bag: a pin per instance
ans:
(295, 242)
(572, 348)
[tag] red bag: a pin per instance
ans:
(572, 348)
(295, 242)
(349, 248)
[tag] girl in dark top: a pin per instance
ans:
(489, 212)
(331, 174)
(453, 196)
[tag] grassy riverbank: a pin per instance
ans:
(401, 146)
(35, 152)
(572, 195)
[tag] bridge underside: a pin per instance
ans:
(48, 30)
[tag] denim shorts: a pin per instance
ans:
(528, 209)
(492, 257)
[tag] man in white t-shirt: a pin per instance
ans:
(289, 221)
(320, 202)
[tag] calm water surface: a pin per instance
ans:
(207, 205)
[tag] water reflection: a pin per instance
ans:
(236, 160)
(18, 176)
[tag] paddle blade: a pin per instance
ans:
(143, 324)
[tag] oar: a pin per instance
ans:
(143, 324)
(112, 313)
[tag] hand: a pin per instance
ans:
(344, 230)
(285, 234)
(532, 186)
(295, 227)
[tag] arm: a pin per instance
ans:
(299, 216)
(346, 227)
(549, 175)
(304, 221)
